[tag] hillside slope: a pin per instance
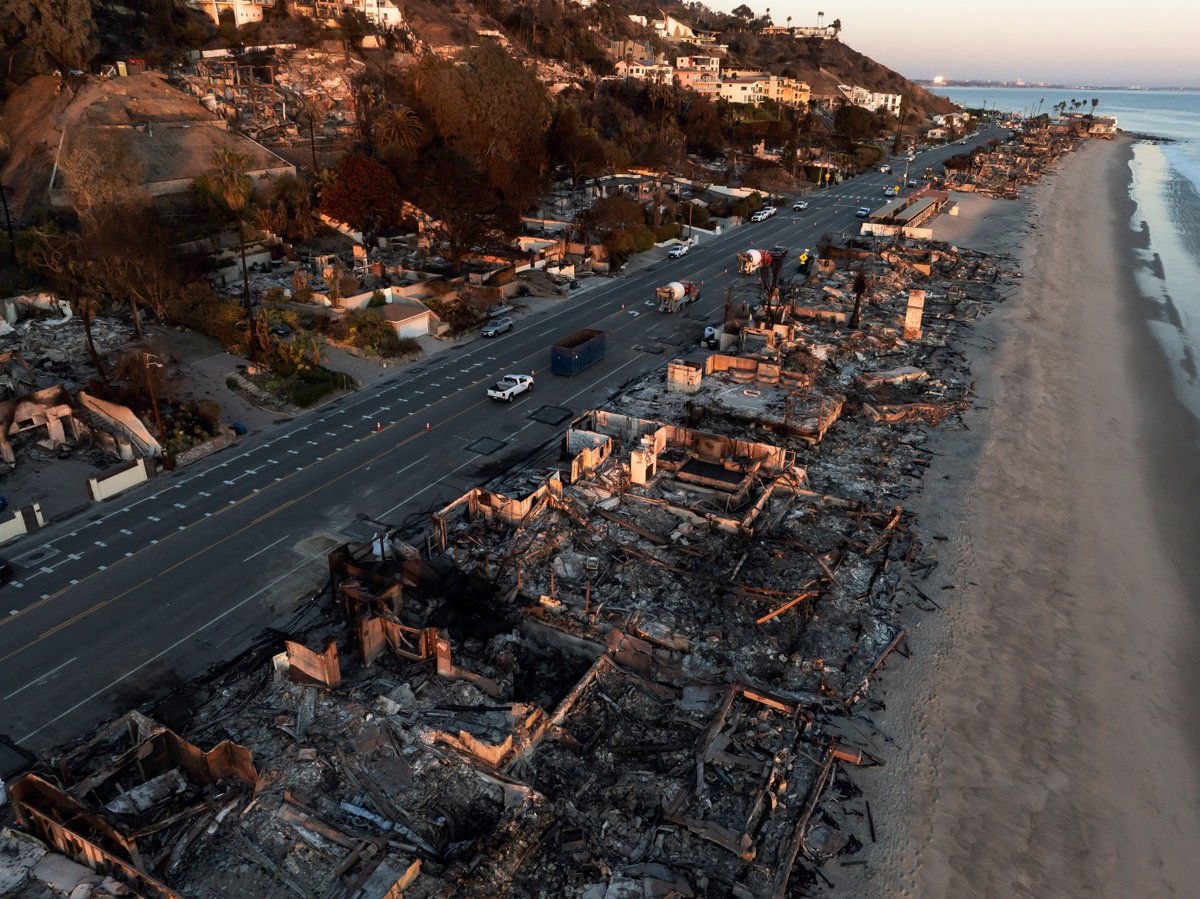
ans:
(560, 31)
(826, 64)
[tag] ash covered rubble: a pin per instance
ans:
(1002, 169)
(46, 370)
(643, 671)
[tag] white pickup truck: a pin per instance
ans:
(510, 386)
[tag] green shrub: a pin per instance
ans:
(377, 300)
(459, 315)
(408, 346)
(232, 383)
(700, 217)
(304, 395)
(667, 231)
(643, 238)
(210, 413)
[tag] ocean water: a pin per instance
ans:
(1165, 186)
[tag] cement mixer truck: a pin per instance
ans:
(752, 260)
(674, 296)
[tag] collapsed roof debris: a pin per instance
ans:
(624, 675)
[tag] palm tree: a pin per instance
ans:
(312, 112)
(837, 27)
(1095, 103)
(860, 287)
(398, 129)
(820, 18)
(232, 186)
(789, 24)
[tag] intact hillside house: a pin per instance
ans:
(872, 100)
(243, 11)
(384, 13)
(645, 70)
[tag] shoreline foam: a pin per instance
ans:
(1043, 741)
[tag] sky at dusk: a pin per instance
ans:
(1155, 42)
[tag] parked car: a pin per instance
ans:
(680, 249)
(862, 212)
(885, 169)
(769, 211)
(800, 205)
(912, 182)
(496, 327)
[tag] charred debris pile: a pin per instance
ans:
(626, 675)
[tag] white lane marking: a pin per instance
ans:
(158, 655)
(40, 678)
(265, 548)
(599, 296)
(423, 489)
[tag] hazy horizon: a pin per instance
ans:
(1071, 42)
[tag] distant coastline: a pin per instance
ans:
(1012, 85)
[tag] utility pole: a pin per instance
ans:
(146, 363)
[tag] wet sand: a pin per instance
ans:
(1044, 736)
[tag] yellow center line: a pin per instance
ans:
(103, 603)
(255, 523)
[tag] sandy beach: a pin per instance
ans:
(1043, 739)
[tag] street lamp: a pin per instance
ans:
(146, 363)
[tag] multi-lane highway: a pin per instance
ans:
(150, 588)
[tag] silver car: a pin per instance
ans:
(496, 327)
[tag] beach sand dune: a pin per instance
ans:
(1044, 733)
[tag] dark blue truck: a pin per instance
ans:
(574, 353)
